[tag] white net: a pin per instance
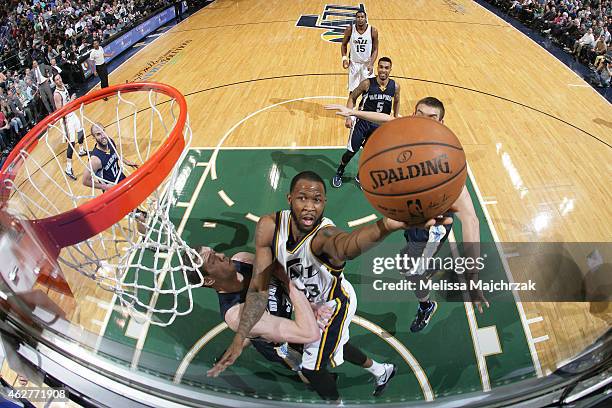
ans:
(141, 258)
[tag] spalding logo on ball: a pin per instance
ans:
(412, 169)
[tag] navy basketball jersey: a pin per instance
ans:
(111, 169)
(376, 99)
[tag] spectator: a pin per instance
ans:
(587, 40)
(41, 73)
(603, 74)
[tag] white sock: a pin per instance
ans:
(376, 369)
(69, 166)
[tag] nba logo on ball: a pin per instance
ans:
(412, 169)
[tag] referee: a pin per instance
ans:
(97, 55)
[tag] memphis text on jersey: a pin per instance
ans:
(387, 176)
(444, 285)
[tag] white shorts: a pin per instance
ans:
(330, 348)
(73, 125)
(358, 72)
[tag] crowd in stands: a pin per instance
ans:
(55, 34)
(581, 27)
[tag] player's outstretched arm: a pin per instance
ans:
(341, 246)
(470, 226)
(302, 330)
(375, 117)
(257, 295)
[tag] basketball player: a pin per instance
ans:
(230, 279)
(105, 169)
(430, 239)
(377, 95)
(313, 253)
(364, 50)
(72, 124)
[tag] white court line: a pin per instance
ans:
(182, 204)
(179, 231)
(473, 325)
(195, 349)
(366, 324)
(511, 255)
(551, 54)
(202, 164)
(490, 202)
(228, 201)
(541, 338)
(580, 85)
(519, 305)
(213, 158)
(362, 220)
(535, 320)
(209, 224)
(113, 73)
(252, 217)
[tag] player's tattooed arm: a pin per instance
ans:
(340, 245)
(257, 295)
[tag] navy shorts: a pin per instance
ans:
(359, 135)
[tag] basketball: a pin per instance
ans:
(412, 169)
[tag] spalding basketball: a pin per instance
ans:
(412, 169)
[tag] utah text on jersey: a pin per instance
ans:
(334, 19)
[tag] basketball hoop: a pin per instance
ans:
(124, 239)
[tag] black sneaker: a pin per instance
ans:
(383, 380)
(422, 317)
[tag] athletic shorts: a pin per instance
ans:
(358, 72)
(360, 132)
(329, 348)
(73, 125)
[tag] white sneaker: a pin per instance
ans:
(383, 379)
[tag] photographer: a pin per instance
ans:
(603, 73)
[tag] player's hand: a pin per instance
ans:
(342, 110)
(370, 69)
(322, 314)
(348, 123)
(230, 356)
(345, 64)
(476, 296)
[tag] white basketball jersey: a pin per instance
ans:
(65, 100)
(361, 45)
(311, 273)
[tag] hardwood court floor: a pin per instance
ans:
(537, 140)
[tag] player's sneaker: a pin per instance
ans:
(82, 152)
(422, 317)
(337, 180)
(383, 380)
(70, 174)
